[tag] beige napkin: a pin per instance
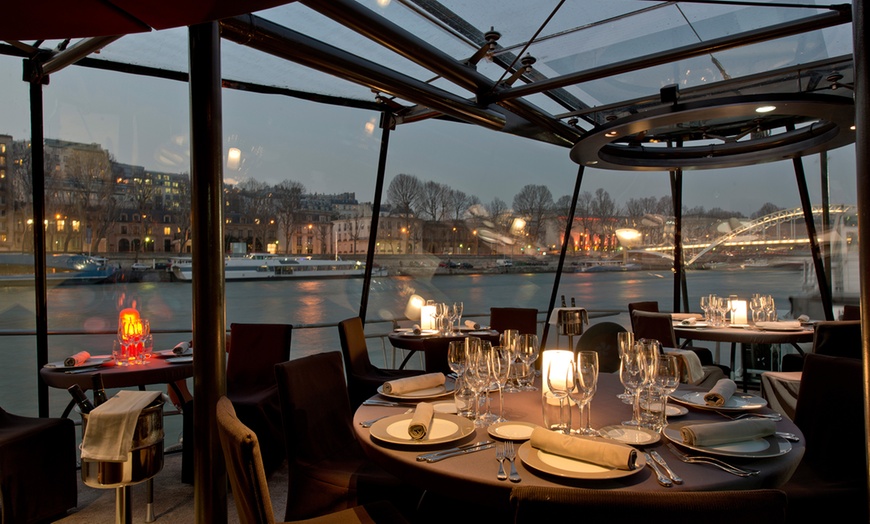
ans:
(688, 321)
(109, 433)
(725, 432)
(77, 360)
(472, 324)
(416, 329)
(691, 317)
(415, 383)
(183, 348)
(781, 324)
(720, 392)
(595, 451)
(691, 370)
(420, 422)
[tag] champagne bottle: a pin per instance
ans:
(563, 301)
(99, 391)
(572, 302)
(81, 399)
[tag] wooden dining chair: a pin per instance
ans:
(603, 339)
(832, 475)
(253, 352)
(328, 468)
(250, 490)
(363, 377)
(37, 468)
(524, 320)
(534, 504)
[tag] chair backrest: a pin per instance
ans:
(315, 409)
(533, 504)
(830, 413)
(254, 351)
(602, 338)
(838, 338)
(654, 325)
(244, 467)
(525, 320)
(650, 306)
(851, 312)
(354, 349)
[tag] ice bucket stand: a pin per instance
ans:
(143, 462)
(571, 322)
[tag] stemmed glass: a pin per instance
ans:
(477, 378)
(667, 379)
(624, 339)
(705, 306)
(527, 350)
(440, 315)
(769, 308)
(457, 357)
(756, 307)
(560, 381)
(508, 339)
(631, 376)
(585, 383)
(457, 311)
(499, 361)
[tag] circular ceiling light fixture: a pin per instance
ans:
(720, 132)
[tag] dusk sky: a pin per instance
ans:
(145, 122)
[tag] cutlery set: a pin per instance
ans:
(712, 461)
(436, 456)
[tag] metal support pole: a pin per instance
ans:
(862, 172)
(561, 265)
(37, 166)
(387, 125)
(679, 274)
(826, 214)
(209, 300)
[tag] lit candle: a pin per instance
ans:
(738, 312)
(129, 324)
(427, 317)
(560, 362)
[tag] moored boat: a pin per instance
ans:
(61, 268)
(265, 266)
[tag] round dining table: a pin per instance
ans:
(472, 476)
(433, 345)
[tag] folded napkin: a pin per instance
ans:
(691, 370)
(183, 348)
(781, 324)
(415, 383)
(416, 329)
(472, 324)
(803, 319)
(595, 451)
(420, 422)
(687, 316)
(725, 432)
(720, 392)
(76, 360)
(688, 321)
(109, 433)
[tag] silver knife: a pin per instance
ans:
(460, 452)
(425, 456)
(658, 458)
(660, 476)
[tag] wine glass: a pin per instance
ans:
(732, 306)
(585, 369)
(477, 378)
(527, 350)
(624, 339)
(440, 314)
(508, 339)
(769, 308)
(457, 310)
(457, 357)
(499, 361)
(705, 306)
(631, 376)
(756, 307)
(667, 379)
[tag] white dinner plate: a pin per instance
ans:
(570, 468)
(180, 360)
(631, 435)
(445, 428)
(421, 394)
(94, 361)
(695, 325)
(673, 410)
(422, 333)
(766, 447)
(445, 407)
(511, 430)
(737, 402)
(777, 326)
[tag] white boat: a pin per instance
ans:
(266, 266)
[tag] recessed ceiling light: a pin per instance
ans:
(765, 109)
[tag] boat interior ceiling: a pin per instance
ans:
(627, 84)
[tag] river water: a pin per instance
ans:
(308, 305)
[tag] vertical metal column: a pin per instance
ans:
(37, 174)
(679, 273)
(387, 124)
(826, 214)
(824, 288)
(209, 301)
(562, 254)
(862, 172)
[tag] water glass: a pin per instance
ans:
(464, 398)
(557, 412)
(121, 353)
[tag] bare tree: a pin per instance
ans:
(499, 214)
(182, 214)
(258, 206)
(457, 203)
(605, 209)
(141, 197)
(432, 201)
(534, 202)
(22, 192)
(287, 199)
(404, 193)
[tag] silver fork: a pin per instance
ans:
(724, 466)
(772, 416)
(510, 453)
(499, 456)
